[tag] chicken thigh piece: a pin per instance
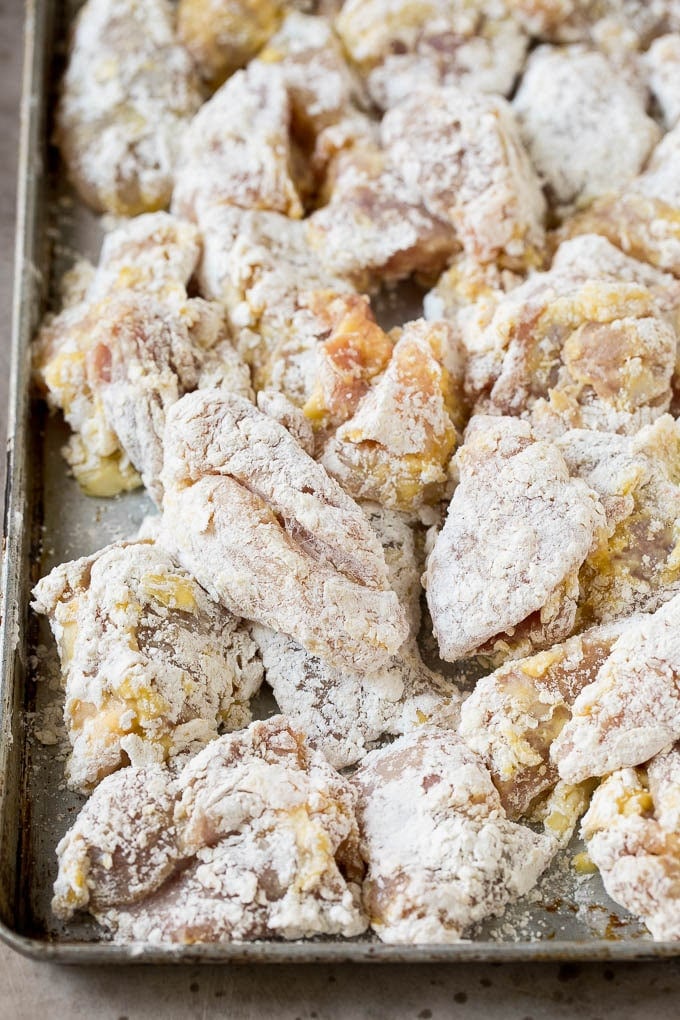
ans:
(463, 155)
(263, 843)
(265, 529)
(279, 299)
(585, 128)
(151, 666)
(376, 227)
(237, 149)
(123, 844)
(441, 853)
(590, 343)
(128, 93)
(399, 46)
(632, 833)
(322, 89)
(223, 35)
(513, 716)
(631, 710)
(132, 344)
(513, 586)
(636, 566)
(396, 447)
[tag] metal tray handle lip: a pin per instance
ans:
(309, 952)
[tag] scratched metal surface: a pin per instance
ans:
(48, 520)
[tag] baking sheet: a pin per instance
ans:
(48, 520)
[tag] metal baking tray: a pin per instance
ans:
(48, 520)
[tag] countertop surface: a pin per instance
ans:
(31, 990)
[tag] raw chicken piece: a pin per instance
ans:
(396, 447)
(399, 46)
(223, 35)
(271, 536)
(631, 711)
(513, 716)
(128, 93)
(122, 846)
(134, 342)
(376, 227)
(632, 832)
(636, 565)
(462, 154)
(441, 853)
(263, 844)
(591, 343)
(512, 587)
(151, 666)
(261, 268)
(237, 149)
(321, 87)
(341, 711)
(585, 128)
(354, 353)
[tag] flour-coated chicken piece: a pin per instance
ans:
(128, 94)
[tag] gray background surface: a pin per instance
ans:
(497, 992)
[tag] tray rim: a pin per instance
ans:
(26, 294)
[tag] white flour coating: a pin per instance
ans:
(376, 226)
(237, 150)
(157, 253)
(662, 62)
(259, 832)
(321, 87)
(396, 447)
(260, 267)
(631, 711)
(222, 35)
(265, 529)
(641, 219)
(632, 833)
(128, 93)
(341, 711)
(463, 155)
(277, 406)
(512, 716)
(151, 667)
(636, 567)
(122, 845)
(269, 836)
(441, 853)
(590, 255)
(591, 343)
(116, 360)
(609, 24)
(400, 46)
(585, 128)
(467, 292)
(538, 527)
